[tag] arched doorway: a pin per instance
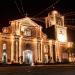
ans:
(27, 57)
(4, 57)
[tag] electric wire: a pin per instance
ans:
(18, 7)
(69, 14)
(51, 6)
(38, 19)
(22, 7)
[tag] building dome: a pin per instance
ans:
(54, 12)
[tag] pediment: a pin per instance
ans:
(27, 22)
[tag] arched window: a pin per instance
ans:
(27, 32)
(4, 46)
(4, 57)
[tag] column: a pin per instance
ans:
(62, 21)
(40, 31)
(35, 48)
(12, 48)
(60, 52)
(20, 49)
(57, 51)
(51, 51)
(17, 50)
(38, 50)
(41, 51)
(46, 22)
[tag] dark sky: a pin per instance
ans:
(9, 11)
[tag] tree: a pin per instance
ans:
(71, 51)
(65, 54)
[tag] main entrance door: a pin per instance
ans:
(27, 57)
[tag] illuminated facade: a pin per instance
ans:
(25, 42)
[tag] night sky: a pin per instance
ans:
(9, 10)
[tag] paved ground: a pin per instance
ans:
(38, 70)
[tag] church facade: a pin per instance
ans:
(24, 41)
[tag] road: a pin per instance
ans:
(38, 70)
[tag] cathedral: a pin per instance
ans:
(25, 42)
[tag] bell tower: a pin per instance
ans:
(57, 32)
(56, 21)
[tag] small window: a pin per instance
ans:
(27, 32)
(4, 46)
(45, 48)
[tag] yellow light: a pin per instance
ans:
(12, 47)
(54, 12)
(20, 49)
(62, 38)
(35, 40)
(69, 44)
(17, 32)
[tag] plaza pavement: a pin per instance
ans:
(57, 69)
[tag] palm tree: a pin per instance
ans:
(65, 52)
(71, 51)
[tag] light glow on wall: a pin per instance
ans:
(4, 57)
(62, 38)
(61, 34)
(54, 12)
(4, 46)
(27, 56)
(69, 44)
(12, 47)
